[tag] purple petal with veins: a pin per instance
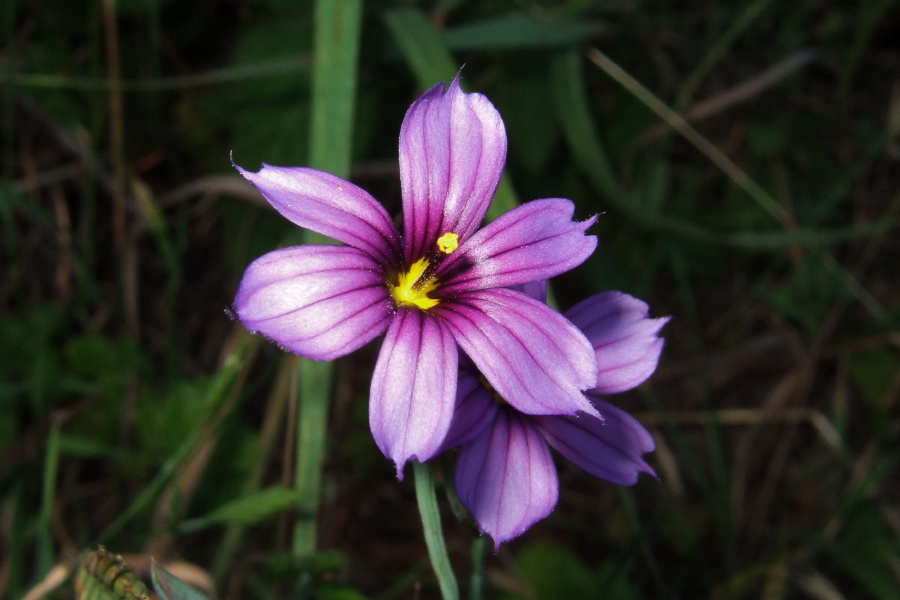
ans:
(506, 477)
(623, 336)
(535, 241)
(609, 448)
(329, 205)
(413, 388)
(533, 357)
(320, 302)
(452, 151)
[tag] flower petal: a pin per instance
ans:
(413, 388)
(320, 302)
(623, 336)
(452, 151)
(331, 206)
(534, 241)
(532, 356)
(533, 289)
(506, 477)
(609, 448)
(475, 408)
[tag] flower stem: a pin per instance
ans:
(434, 535)
(476, 582)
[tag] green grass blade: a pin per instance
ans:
(337, 27)
(246, 509)
(334, 84)
(434, 535)
(45, 532)
(315, 393)
(677, 122)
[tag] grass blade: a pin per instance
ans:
(337, 24)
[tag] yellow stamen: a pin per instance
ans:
(410, 291)
(448, 242)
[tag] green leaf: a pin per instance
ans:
(170, 587)
(247, 509)
(553, 571)
(519, 30)
(422, 46)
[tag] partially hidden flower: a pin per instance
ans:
(505, 474)
(438, 288)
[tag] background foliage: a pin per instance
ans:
(135, 413)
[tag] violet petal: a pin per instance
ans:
(452, 151)
(534, 241)
(609, 448)
(331, 206)
(475, 409)
(533, 357)
(320, 302)
(624, 338)
(533, 289)
(413, 388)
(506, 477)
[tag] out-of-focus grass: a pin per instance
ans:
(135, 413)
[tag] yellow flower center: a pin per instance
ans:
(413, 286)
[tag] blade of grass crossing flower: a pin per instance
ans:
(334, 84)
(45, 532)
(431, 61)
(337, 30)
(434, 535)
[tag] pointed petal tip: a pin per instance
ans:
(413, 389)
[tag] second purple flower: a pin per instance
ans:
(438, 288)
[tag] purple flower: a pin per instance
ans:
(505, 474)
(435, 289)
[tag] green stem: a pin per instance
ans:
(434, 535)
(476, 581)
